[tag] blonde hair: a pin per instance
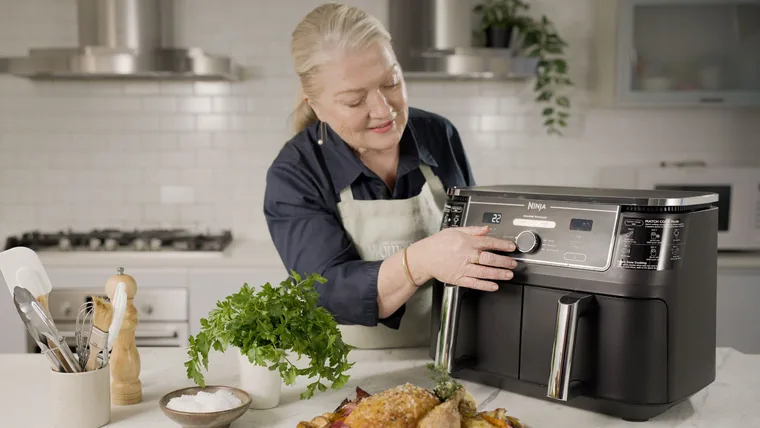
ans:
(327, 28)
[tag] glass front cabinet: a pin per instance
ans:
(678, 52)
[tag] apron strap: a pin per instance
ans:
(346, 194)
(436, 186)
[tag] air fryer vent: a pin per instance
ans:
(645, 209)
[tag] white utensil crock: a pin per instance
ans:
(264, 386)
(80, 400)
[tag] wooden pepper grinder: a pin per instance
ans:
(126, 387)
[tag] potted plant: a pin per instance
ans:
(538, 38)
(269, 328)
(499, 20)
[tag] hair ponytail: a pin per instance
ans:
(303, 116)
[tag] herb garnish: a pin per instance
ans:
(445, 386)
(264, 325)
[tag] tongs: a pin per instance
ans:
(43, 331)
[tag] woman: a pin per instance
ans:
(357, 194)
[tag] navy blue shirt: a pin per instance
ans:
(301, 206)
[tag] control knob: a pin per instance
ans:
(527, 242)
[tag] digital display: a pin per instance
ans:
(581, 225)
(492, 218)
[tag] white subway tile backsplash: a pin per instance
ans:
(197, 176)
(503, 123)
(198, 214)
(194, 105)
(159, 104)
(144, 194)
(212, 88)
(177, 123)
(195, 140)
(161, 215)
(142, 88)
(212, 122)
(177, 195)
(224, 104)
(103, 154)
(178, 160)
(176, 88)
(24, 214)
(161, 176)
(210, 158)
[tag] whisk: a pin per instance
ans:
(83, 331)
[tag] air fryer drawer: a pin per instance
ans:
(620, 350)
(495, 319)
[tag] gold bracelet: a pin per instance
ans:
(405, 265)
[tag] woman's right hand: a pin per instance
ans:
(462, 256)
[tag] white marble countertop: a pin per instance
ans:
(731, 401)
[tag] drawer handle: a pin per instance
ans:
(570, 307)
(447, 333)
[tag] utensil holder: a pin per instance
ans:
(80, 400)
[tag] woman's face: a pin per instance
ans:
(363, 98)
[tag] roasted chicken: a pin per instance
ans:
(444, 415)
(413, 407)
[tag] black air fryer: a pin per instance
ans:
(612, 307)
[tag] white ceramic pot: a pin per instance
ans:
(264, 386)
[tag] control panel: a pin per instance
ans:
(559, 233)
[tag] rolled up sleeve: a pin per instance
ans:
(310, 238)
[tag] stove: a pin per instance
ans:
(116, 240)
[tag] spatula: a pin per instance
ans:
(21, 266)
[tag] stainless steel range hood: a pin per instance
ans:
(123, 39)
(433, 39)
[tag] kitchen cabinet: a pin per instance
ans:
(737, 311)
(677, 53)
(210, 285)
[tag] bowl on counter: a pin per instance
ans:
(216, 419)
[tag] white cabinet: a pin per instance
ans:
(739, 309)
(210, 285)
(677, 52)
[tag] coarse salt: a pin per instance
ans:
(204, 402)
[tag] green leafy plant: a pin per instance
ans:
(538, 39)
(266, 325)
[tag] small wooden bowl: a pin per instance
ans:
(221, 419)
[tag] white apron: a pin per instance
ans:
(381, 228)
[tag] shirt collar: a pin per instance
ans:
(345, 166)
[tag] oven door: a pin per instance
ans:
(147, 334)
(738, 199)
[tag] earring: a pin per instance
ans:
(321, 133)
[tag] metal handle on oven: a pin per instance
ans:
(141, 334)
(570, 307)
(156, 334)
(447, 333)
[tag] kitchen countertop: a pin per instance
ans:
(730, 401)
